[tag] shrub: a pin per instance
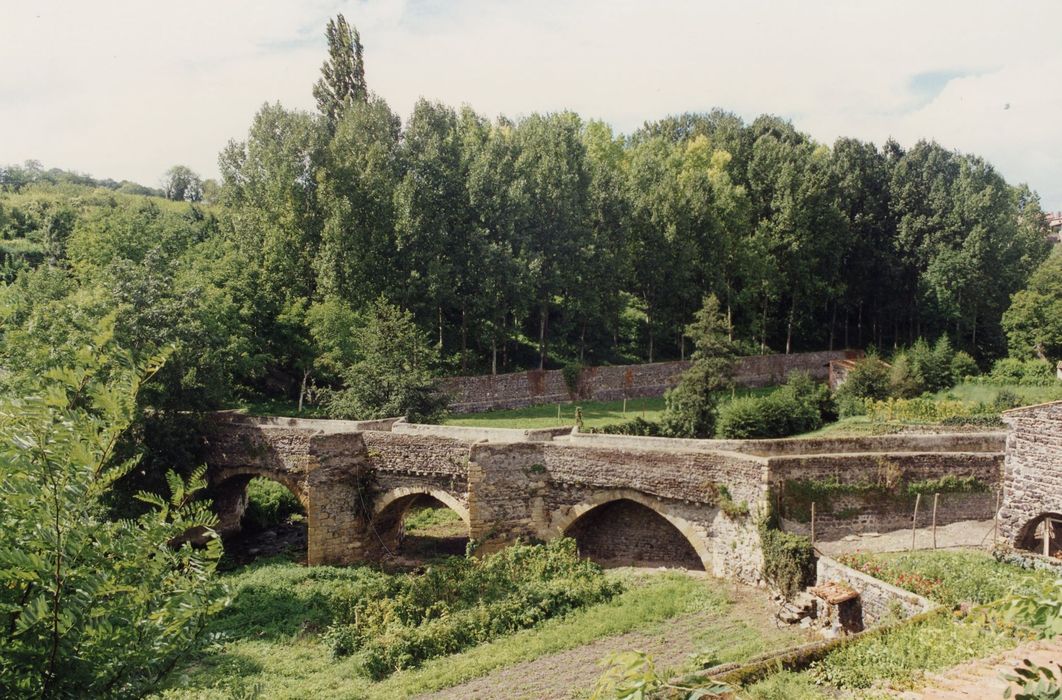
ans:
(905, 378)
(922, 410)
(869, 379)
(1022, 372)
(788, 559)
(933, 363)
(572, 374)
(799, 406)
(963, 365)
(93, 607)
(466, 601)
(269, 504)
(634, 426)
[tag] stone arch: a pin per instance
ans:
(564, 519)
(1027, 536)
(229, 490)
(407, 494)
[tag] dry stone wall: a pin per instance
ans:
(608, 383)
(1033, 469)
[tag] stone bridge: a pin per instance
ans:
(693, 503)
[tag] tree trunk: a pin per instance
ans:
(464, 340)
(542, 337)
(789, 326)
(833, 324)
(493, 354)
(302, 388)
(763, 327)
(582, 342)
(439, 308)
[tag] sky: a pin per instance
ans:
(125, 89)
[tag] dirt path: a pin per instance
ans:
(981, 679)
(572, 673)
(968, 533)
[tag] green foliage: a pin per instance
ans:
(466, 601)
(572, 373)
(691, 404)
(93, 606)
(963, 365)
(269, 504)
(904, 654)
(1035, 682)
(869, 379)
(392, 376)
(800, 406)
(1022, 372)
(632, 675)
(951, 578)
(788, 559)
(634, 426)
(920, 410)
(1033, 322)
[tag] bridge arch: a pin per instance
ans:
(229, 492)
(398, 499)
(1042, 534)
(567, 521)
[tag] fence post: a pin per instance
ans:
(914, 520)
(935, 497)
(995, 518)
(625, 406)
(813, 522)
(558, 412)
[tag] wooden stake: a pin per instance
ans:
(995, 518)
(813, 522)
(558, 412)
(935, 497)
(624, 405)
(1047, 537)
(914, 520)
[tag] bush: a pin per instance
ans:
(921, 410)
(1022, 372)
(905, 379)
(93, 607)
(466, 601)
(869, 379)
(634, 426)
(269, 504)
(963, 365)
(788, 559)
(799, 406)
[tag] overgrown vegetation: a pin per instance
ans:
(788, 558)
(93, 606)
(462, 602)
(269, 504)
(950, 578)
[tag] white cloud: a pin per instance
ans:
(125, 89)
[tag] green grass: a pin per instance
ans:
(903, 656)
(274, 645)
(431, 520)
(950, 578)
(987, 393)
(595, 413)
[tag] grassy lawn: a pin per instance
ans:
(273, 644)
(595, 413)
(987, 393)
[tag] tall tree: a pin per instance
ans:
(342, 79)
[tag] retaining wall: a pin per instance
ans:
(608, 383)
(879, 600)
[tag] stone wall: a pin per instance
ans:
(624, 533)
(1033, 470)
(878, 599)
(607, 383)
(540, 490)
(881, 509)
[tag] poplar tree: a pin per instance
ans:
(343, 74)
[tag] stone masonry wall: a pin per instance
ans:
(607, 383)
(624, 532)
(878, 599)
(1033, 470)
(540, 490)
(873, 511)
